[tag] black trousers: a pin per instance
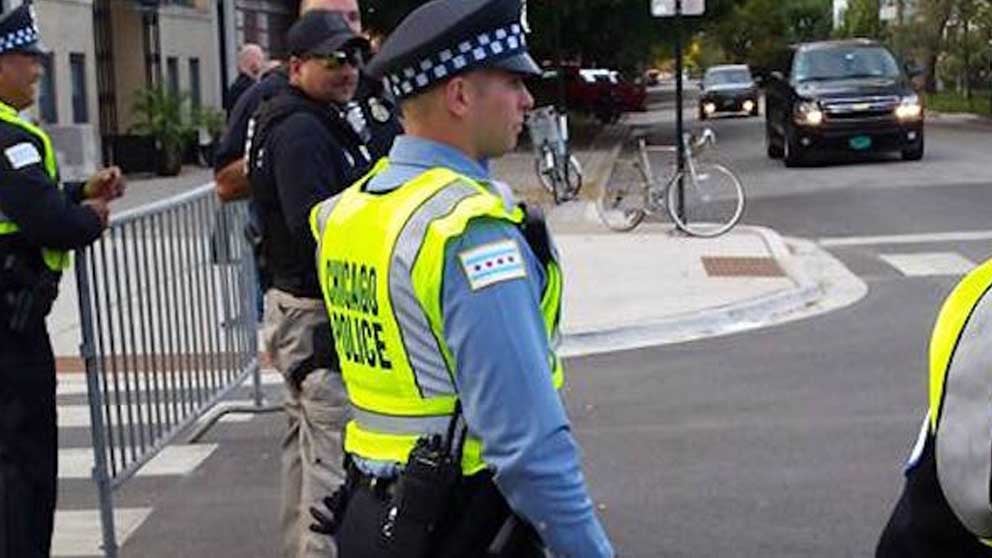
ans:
(478, 512)
(923, 524)
(28, 443)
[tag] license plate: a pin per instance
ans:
(860, 143)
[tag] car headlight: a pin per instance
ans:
(749, 105)
(809, 113)
(910, 108)
(709, 108)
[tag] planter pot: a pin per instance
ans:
(170, 161)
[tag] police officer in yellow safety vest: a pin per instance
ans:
(945, 509)
(444, 297)
(39, 222)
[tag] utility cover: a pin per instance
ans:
(666, 8)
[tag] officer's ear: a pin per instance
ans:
(460, 95)
(295, 67)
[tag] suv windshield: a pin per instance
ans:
(727, 77)
(845, 63)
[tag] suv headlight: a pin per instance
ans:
(808, 113)
(909, 108)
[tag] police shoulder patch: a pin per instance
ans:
(22, 155)
(492, 263)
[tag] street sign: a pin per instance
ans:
(666, 8)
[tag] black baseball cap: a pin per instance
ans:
(321, 33)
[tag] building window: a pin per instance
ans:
(172, 75)
(250, 27)
(194, 82)
(46, 93)
(80, 101)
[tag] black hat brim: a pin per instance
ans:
(338, 42)
(519, 64)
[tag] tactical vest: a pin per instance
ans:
(381, 263)
(55, 260)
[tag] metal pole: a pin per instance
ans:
(560, 76)
(680, 146)
(88, 352)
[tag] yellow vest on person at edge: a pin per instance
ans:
(961, 400)
(55, 260)
(381, 263)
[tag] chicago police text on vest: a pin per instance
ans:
(351, 291)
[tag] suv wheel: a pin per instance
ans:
(914, 153)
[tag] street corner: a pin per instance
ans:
(657, 287)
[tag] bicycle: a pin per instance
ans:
(713, 199)
(557, 169)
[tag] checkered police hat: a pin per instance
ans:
(19, 32)
(444, 38)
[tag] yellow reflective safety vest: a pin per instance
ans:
(56, 260)
(381, 264)
(960, 411)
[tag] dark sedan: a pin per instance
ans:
(728, 89)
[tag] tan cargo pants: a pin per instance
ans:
(312, 450)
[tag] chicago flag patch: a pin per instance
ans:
(493, 263)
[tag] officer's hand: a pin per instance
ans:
(326, 520)
(107, 184)
(100, 207)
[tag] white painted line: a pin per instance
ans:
(77, 463)
(930, 263)
(78, 416)
(75, 384)
(80, 533)
(958, 236)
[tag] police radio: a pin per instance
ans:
(423, 493)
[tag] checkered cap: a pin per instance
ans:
(444, 38)
(19, 31)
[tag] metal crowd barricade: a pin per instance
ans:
(168, 314)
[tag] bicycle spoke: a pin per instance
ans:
(621, 205)
(713, 202)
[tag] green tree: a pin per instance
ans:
(861, 19)
(757, 29)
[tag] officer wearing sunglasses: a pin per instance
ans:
(301, 151)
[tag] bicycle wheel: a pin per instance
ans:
(713, 203)
(621, 205)
(544, 173)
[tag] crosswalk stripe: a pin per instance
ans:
(78, 416)
(77, 463)
(954, 236)
(75, 384)
(929, 263)
(80, 533)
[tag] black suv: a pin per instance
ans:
(841, 96)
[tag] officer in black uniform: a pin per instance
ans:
(40, 221)
(372, 112)
(302, 151)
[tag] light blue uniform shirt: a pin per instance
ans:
(500, 345)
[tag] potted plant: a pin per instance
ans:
(163, 116)
(210, 125)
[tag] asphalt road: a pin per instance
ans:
(782, 442)
(789, 441)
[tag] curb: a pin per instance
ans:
(721, 320)
(959, 119)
